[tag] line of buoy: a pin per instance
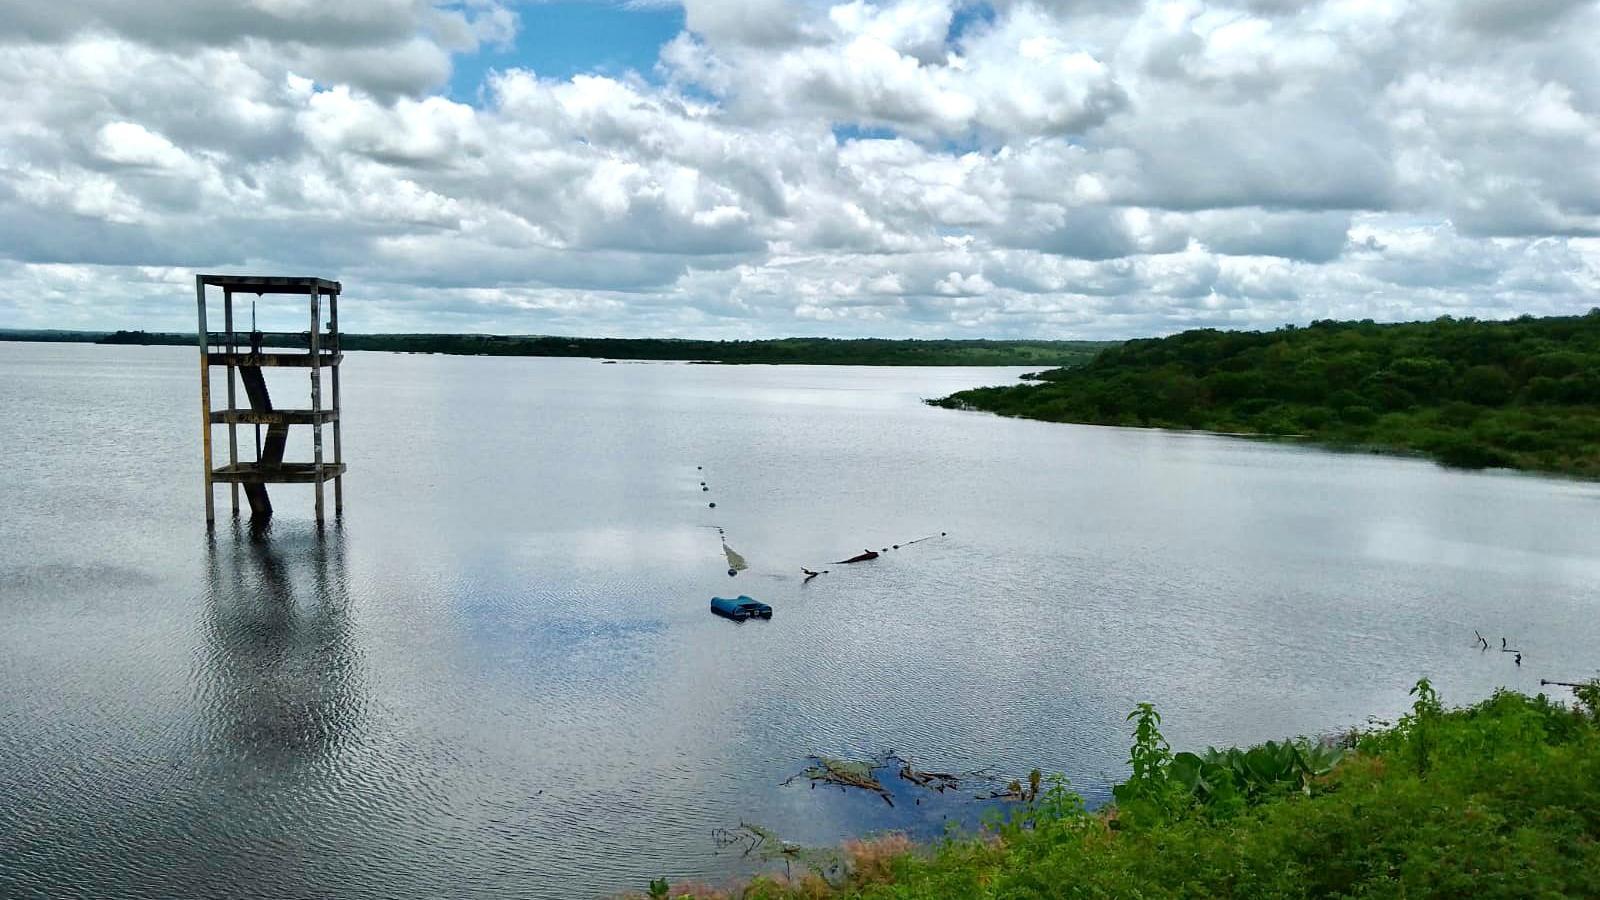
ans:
(1482, 644)
(736, 562)
(734, 559)
(868, 554)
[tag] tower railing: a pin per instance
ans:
(245, 354)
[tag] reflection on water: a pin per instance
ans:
(118, 785)
(280, 676)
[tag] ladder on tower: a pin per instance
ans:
(321, 352)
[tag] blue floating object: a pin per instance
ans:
(740, 608)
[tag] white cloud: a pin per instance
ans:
(898, 167)
(892, 66)
(131, 144)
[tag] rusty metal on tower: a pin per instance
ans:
(245, 354)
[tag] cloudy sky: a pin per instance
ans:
(726, 168)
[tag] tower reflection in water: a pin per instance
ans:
(282, 681)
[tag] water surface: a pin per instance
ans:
(497, 676)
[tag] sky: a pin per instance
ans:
(759, 168)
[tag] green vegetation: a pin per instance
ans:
(790, 351)
(53, 335)
(1522, 394)
(1501, 799)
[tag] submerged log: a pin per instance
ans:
(845, 773)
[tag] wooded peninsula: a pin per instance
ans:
(1521, 394)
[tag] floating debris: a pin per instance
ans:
(846, 773)
(736, 562)
(763, 843)
(754, 839)
(1016, 790)
(935, 781)
(862, 774)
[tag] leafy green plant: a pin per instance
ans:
(1588, 695)
(1060, 802)
(1419, 725)
(1148, 794)
(1210, 780)
(1057, 808)
(1224, 781)
(1150, 753)
(659, 888)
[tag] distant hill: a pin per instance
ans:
(796, 351)
(1522, 394)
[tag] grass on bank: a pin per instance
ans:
(1500, 799)
(1520, 394)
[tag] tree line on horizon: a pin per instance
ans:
(797, 351)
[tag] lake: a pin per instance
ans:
(498, 675)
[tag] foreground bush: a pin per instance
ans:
(1501, 799)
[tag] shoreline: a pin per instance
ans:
(818, 351)
(1307, 440)
(1508, 781)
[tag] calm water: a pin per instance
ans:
(498, 676)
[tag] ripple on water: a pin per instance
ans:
(499, 676)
